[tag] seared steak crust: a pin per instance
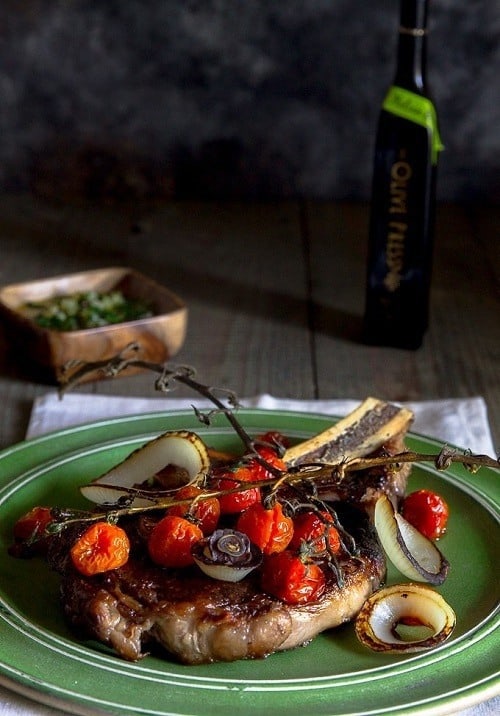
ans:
(200, 620)
(197, 620)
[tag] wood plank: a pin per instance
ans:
(486, 227)
(239, 268)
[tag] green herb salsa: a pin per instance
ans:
(89, 309)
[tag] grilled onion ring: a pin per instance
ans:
(181, 448)
(409, 550)
(413, 605)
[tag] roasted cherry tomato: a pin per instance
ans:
(236, 502)
(274, 437)
(269, 453)
(31, 526)
(260, 472)
(251, 470)
(171, 539)
(268, 528)
(427, 511)
(100, 548)
(289, 578)
(30, 538)
(205, 513)
(316, 531)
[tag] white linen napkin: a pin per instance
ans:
(460, 422)
(457, 421)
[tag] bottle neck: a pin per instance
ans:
(412, 46)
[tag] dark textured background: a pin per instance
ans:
(120, 99)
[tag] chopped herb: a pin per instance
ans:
(90, 309)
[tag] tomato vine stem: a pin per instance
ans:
(75, 371)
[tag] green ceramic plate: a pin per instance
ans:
(40, 657)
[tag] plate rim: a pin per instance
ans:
(143, 420)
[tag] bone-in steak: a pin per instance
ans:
(196, 619)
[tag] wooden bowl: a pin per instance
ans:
(159, 336)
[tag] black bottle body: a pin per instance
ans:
(401, 234)
(402, 213)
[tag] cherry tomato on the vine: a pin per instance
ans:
(317, 531)
(236, 502)
(268, 528)
(289, 578)
(204, 512)
(427, 511)
(29, 533)
(171, 539)
(259, 471)
(101, 547)
(274, 437)
(31, 526)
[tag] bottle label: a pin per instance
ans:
(417, 109)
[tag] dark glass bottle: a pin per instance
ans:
(403, 196)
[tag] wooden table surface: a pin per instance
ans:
(275, 294)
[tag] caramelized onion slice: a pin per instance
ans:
(182, 449)
(416, 605)
(408, 549)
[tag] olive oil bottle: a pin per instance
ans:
(403, 196)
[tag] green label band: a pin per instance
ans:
(417, 109)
